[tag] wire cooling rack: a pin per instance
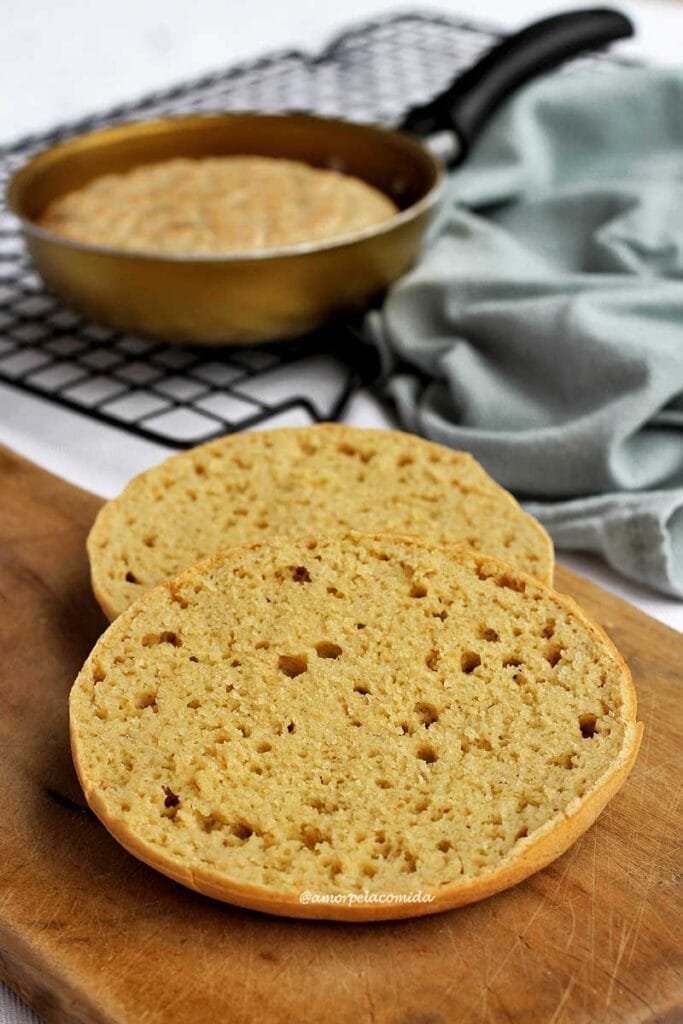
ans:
(183, 395)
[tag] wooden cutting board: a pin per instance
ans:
(87, 933)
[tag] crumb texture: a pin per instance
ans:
(318, 480)
(347, 713)
(217, 205)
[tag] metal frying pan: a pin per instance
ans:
(243, 298)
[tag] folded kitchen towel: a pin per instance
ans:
(543, 328)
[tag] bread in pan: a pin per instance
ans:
(215, 206)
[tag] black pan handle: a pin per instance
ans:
(470, 99)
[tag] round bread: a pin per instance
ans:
(321, 479)
(217, 205)
(353, 727)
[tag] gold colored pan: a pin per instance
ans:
(242, 298)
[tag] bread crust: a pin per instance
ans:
(527, 856)
(341, 433)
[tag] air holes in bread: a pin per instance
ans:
(587, 724)
(427, 714)
(165, 637)
(146, 700)
(326, 649)
(177, 596)
(171, 802)
(432, 660)
(242, 831)
(512, 662)
(469, 660)
(349, 449)
(292, 665)
(511, 582)
(553, 654)
(311, 836)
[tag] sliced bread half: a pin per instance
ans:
(247, 487)
(354, 727)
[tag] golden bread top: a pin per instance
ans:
(217, 205)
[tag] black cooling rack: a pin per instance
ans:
(181, 396)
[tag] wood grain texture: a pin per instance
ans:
(87, 933)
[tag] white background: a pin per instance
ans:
(60, 60)
(63, 59)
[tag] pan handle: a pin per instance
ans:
(467, 103)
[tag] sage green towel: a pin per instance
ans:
(543, 328)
